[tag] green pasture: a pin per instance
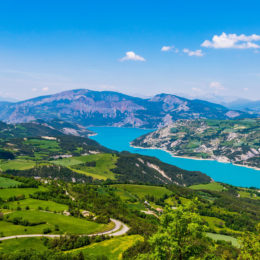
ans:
(13, 245)
(67, 224)
(50, 145)
(17, 164)
(142, 190)
(213, 186)
(8, 183)
(104, 164)
(34, 204)
(112, 248)
(7, 193)
(216, 237)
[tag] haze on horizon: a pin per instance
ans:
(193, 49)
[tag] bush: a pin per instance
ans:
(46, 231)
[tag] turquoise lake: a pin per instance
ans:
(119, 139)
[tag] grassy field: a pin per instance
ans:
(142, 190)
(13, 245)
(214, 186)
(102, 170)
(51, 145)
(245, 194)
(34, 204)
(67, 224)
(17, 164)
(233, 240)
(8, 183)
(7, 193)
(112, 248)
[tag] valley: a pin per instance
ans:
(67, 196)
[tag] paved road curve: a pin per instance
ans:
(119, 229)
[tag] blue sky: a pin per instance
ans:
(135, 47)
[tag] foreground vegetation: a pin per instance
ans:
(220, 220)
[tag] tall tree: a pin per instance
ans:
(250, 245)
(180, 236)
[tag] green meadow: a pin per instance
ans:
(233, 240)
(213, 186)
(101, 169)
(7, 193)
(112, 248)
(35, 204)
(12, 245)
(8, 183)
(18, 164)
(67, 224)
(143, 190)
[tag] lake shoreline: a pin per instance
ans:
(193, 158)
(120, 139)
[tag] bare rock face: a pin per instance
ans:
(107, 108)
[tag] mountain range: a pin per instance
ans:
(245, 105)
(106, 108)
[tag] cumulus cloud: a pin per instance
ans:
(45, 89)
(166, 48)
(130, 55)
(169, 48)
(225, 41)
(197, 53)
(216, 85)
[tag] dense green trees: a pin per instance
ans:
(180, 235)
(250, 245)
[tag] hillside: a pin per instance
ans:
(93, 108)
(38, 150)
(236, 141)
(86, 221)
(245, 105)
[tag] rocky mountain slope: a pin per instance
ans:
(106, 108)
(236, 141)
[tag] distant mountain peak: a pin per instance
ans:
(107, 108)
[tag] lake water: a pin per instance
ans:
(119, 139)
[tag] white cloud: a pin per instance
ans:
(169, 48)
(130, 55)
(45, 89)
(34, 89)
(216, 85)
(197, 53)
(225, 41)
(245, 89)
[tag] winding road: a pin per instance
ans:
(119, 230)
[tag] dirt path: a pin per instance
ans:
(119, 229)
